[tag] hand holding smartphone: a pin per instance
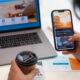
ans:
(62, 29)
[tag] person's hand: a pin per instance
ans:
(76, 51)
(16, 74)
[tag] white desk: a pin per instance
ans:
(46, 7)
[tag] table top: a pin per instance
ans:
(46, 6)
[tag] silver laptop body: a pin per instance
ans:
(42, 50)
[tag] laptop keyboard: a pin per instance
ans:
(19, 40)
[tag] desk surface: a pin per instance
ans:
(46, 6)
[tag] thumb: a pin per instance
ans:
(14, 65)
(32, 74)
(75, 37)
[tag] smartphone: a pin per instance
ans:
(62, 29)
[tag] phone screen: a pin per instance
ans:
(63, 29)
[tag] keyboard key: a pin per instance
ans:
(19, 40)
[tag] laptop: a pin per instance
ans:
(20, 30)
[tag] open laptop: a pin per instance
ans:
(20, 30)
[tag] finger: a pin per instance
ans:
(67, 52)
(75, 37)
(76, 32)
(14, 65)
(32, 74)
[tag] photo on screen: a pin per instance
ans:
(18, 9)
(62, 20)
(63, 42)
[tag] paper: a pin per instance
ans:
(40, 75)
(59, 63)
(75, 64)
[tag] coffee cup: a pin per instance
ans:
(26, 61)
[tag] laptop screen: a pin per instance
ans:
(19, 14)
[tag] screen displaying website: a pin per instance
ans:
(63, 29)
(18, 12)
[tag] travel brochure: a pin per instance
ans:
(61, 63)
